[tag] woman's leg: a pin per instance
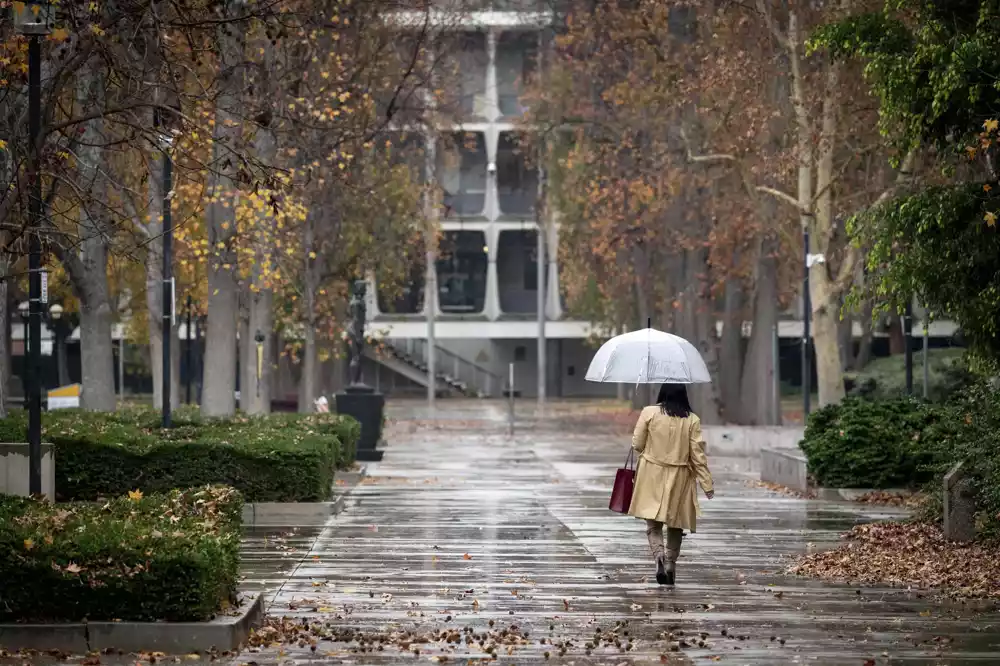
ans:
(654, 534)
(674, 535)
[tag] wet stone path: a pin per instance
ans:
(467, 546)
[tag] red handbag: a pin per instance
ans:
(621, 495)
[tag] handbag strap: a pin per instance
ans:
(630, 459)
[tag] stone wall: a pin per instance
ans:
(750, 441)
(14, 470)
(786, 468)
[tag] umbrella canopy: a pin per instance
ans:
(648, 357)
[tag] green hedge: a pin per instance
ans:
(912, 444)
(870, 444)
(280, 458)
(171, 556)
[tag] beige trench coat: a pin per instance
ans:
(672, 458)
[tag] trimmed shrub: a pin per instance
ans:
(871, 444)
(284, 458)
(912, 444)
(172, 556)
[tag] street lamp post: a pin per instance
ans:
(167, 305)
(32, 20)
(806, 337)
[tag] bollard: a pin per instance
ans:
(510, 400)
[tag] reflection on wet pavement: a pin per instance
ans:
(464, 544)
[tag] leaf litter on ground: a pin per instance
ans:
(910, 554)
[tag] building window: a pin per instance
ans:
(461, 272)
(462, 77)
(517, 272)
(461, 172)
(517, 183)
(520, 354)
(517, 55)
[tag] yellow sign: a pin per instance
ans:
(65, 397)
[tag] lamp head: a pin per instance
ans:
(34, 18)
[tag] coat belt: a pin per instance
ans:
(663, 464)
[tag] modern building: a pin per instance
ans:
(486, 315)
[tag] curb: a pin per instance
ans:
(303, 514)
(854, 494)
(227, 632)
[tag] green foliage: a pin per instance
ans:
(909, 443)
(933, 66)
(885, 377)
(869, 444)
(971, 433)
(173, 556)
(937, 246)
(280, 458)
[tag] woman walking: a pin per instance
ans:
(672, 458)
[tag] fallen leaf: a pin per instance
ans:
(466, 557)
(73, 567)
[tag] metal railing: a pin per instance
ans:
(475, 377)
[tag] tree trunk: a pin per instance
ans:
(731, 353)
(897, 340)
(760, 366)
(260, 320)
(646, 394)
(865, 344)
(97, 364)
(307, 385)
(696, 322)
(244, 352)
(219, 381)
(154, 296)
(90, 275)
(256, 317)
(846, 335)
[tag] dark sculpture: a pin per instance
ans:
(356, 333)
(362, 402)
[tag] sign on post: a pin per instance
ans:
(65, 397)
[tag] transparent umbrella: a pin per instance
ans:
(648, 356)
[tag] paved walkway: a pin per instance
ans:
(464, 543)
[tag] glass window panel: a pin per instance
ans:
(515, 61)
(461, 272)
(461, 173)
(517, 272)
(462, 77)
(517, 183)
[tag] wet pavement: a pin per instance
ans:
(466, 544)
